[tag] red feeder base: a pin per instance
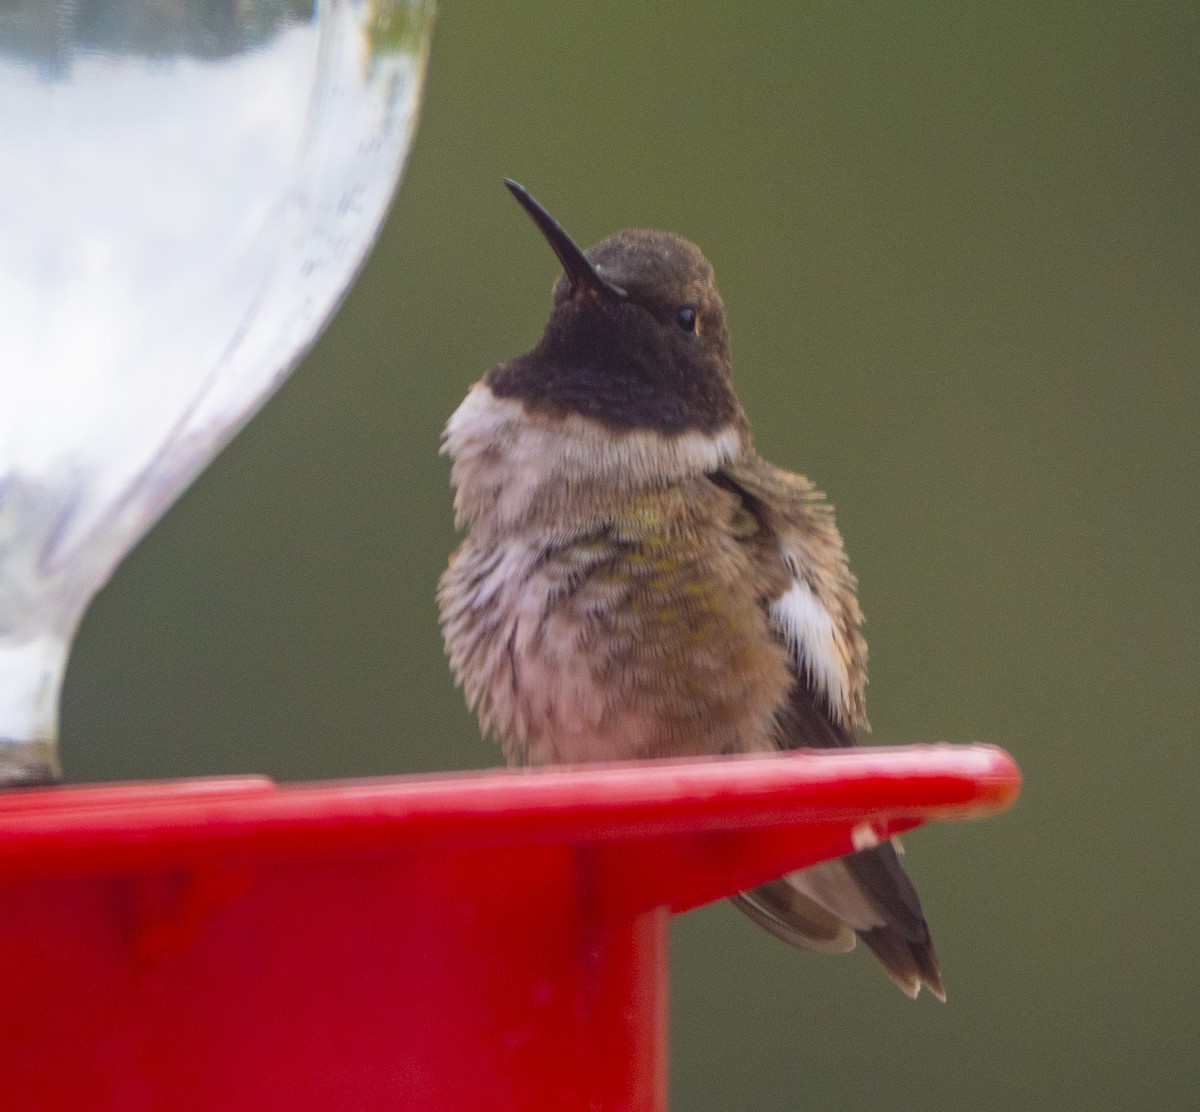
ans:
(492, 941)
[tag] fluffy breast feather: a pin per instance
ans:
(599, 607)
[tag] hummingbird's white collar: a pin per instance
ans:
(508, 462)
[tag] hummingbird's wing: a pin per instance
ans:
(810, 596)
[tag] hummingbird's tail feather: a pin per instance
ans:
(782, 909)
(901, 942)
(867, 894)
(909, 964)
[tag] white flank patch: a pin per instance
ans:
(811, 637)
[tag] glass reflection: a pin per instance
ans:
(189, 190)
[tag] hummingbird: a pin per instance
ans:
(637, 581)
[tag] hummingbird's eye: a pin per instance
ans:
(686, 318)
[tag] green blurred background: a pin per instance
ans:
(958, 244)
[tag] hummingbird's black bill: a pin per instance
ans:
(580, 273)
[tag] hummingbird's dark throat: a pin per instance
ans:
(580, 273)
(622, 355)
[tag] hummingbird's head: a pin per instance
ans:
(636, 337)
